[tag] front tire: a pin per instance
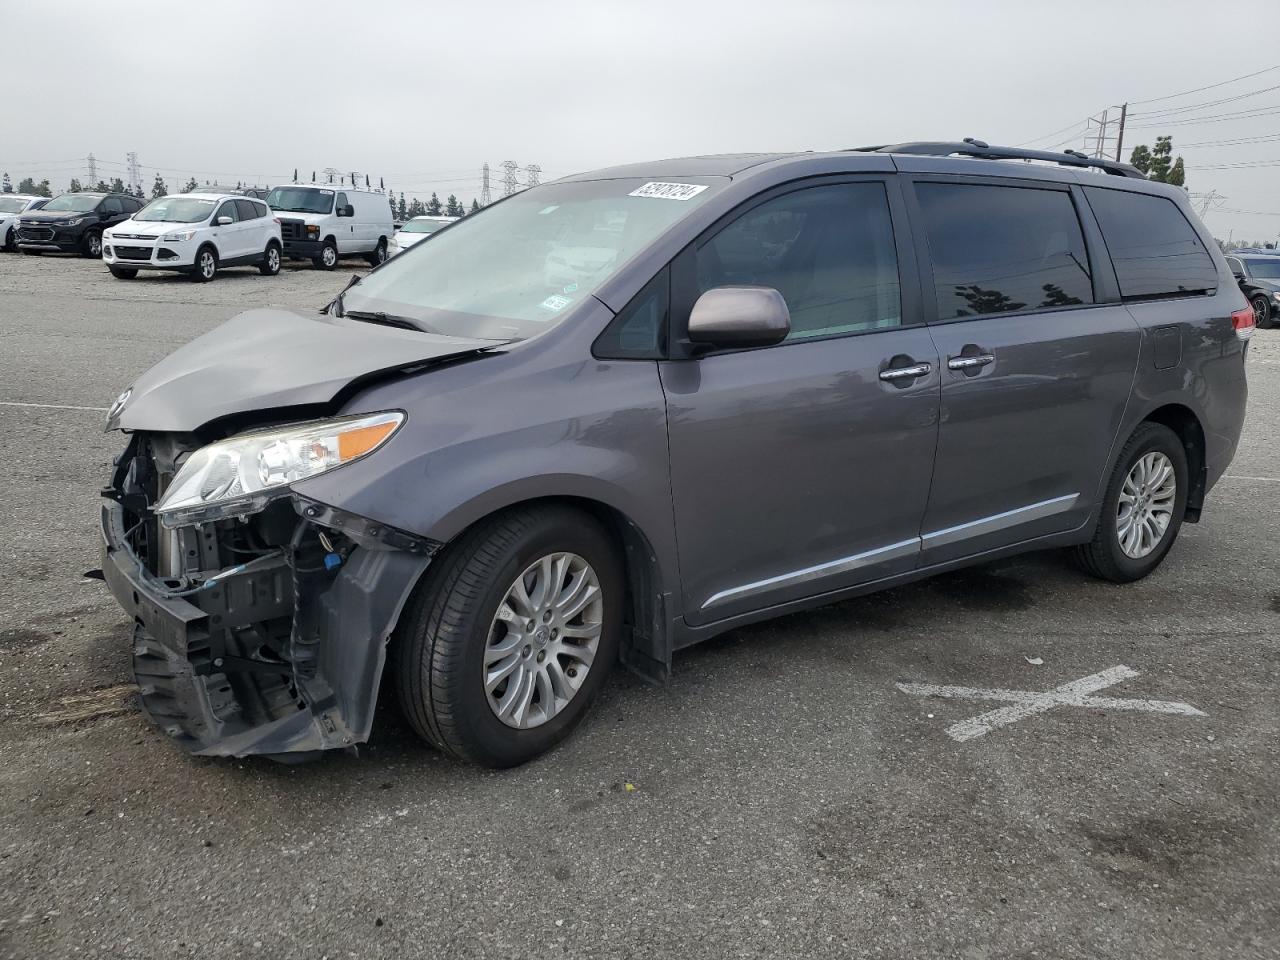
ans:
(91, 246)
(270, 264)
(510, 637)
(379, 254)
(123, 273)
(1262, 315)
(1142, 509)
(328, 258)
(11, 240)
(206, 265)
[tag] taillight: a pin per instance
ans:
(1242, 321)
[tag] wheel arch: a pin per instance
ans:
(646, 641)
(1183, 421)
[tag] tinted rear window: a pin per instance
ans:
(1155, 250)
(1001, 249)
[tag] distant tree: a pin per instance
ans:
(117, 185)
(74, 186)
(42, 189)
(392, 201)
(452, 207)
(402, 211)
(1158, 162)
(417, 208)
(102, 187)
(26, 185)
(475, 207)
(433, 205)
(295, 174)
(192, 186)
(138, 192)
(6, 185)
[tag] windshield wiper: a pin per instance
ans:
(391, 320)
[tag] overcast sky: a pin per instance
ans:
(423, 93)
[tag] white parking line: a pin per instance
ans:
(1028, 703)
(1236, 476)
(51, 406)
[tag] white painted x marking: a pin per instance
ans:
(1027, 703)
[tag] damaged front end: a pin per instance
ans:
(260, 629)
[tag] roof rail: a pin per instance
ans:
(978, 148)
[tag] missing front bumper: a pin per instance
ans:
(209, 673)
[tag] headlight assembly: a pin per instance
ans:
(73, 222)
(242, 474)
(179, 235)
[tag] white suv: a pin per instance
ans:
(196, 233)
(13, 205)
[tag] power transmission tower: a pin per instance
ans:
(535, 174)
(485, 198)
(135, 173)
(1095, 136)
(509, 177)
(93, 171)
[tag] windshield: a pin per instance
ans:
(12, 204)
(518, 267)
(176, 210)
(423, 226)
(1268, 269)
(76, 202)
(300, 200)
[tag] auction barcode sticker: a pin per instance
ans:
(669, 191)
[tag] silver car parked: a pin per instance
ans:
(617, 414)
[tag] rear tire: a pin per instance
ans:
(1263, 317)
(328, 258)
(123, 273)
(1106, 556)
(11, 240)
(270, 264)
(451, 635)
(91, 246)
(379, 254)
(206, 265)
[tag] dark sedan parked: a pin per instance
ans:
(614, 415)
(1258, 273)
(73, 222)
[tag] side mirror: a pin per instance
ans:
(740, 317)
(347, 211)
(223, 220)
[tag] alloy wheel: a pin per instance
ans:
(1261, 311)
(1145, 507)
(95, 245)
(273, 259)
(543, 640)
(329, 256)
(207, 265)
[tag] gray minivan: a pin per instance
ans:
(614, 415)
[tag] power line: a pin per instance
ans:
(1212, 86)
(1191, 107)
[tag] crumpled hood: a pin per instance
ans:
(268, 359)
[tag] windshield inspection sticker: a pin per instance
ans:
(556, 302)
(669, 191)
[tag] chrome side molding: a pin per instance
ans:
(1000, 521)
(904, 548)
(892, 552)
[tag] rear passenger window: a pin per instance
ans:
(247, 210)
(1155, 250)
(1001, 249)
(828, 250)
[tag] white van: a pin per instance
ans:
(322, 222)
(194, 233)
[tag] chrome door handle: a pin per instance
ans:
(905, 373)
(970, 363)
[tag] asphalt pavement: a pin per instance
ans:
(797, 790)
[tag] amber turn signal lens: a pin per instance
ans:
(358, 442)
